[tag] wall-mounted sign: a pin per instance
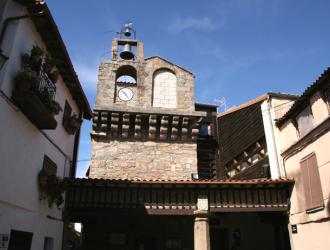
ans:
(294, 228)
(4, 240)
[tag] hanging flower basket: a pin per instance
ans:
(52, 188)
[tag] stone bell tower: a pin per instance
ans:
(144, 122)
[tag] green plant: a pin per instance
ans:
(48, 64)
(26, 80)
(52, 188)
(52, 105)
(36, 51)
(26, 60)
(55, 107)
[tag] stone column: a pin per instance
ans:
(201, 226)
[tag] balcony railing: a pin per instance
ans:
(34, 103)
(46, 84)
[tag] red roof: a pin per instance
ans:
(200, 182)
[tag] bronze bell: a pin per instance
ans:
(127, 31)
(127, 54)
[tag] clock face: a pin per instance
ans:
(125, 94)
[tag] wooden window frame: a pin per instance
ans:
(311, 182)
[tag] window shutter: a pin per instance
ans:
(306, 183)
(49, 167)
(311, 183)
(316, 188)
(67, 112)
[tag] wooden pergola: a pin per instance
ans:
(180, 197)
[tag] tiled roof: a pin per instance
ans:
(161, 58)
(198, 182)
(303, 100)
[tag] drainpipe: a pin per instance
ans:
(270, 139)
(75, 151)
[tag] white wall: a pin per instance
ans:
(23, 146)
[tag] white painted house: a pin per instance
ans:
(36, 144)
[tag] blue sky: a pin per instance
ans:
(238, 49)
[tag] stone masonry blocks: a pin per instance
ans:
(143, 160)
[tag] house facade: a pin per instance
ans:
(303, 139)
(42, 105)
(280, 135)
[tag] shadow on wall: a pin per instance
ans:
(328, 206)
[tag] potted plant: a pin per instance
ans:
(36, 53)
(42, 178)
(26, 80)
(72, 123)
(55, 107)
(52, 105)
(51, 188)
(48, 65)
(36, 58)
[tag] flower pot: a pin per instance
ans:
(46, 67)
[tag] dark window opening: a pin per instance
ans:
(20, 240)
(49, 167)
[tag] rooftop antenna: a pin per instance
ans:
(221, 102)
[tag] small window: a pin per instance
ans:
(67, 112)
(305, 122)
(48, 243)
(312, 183)
(49, 167)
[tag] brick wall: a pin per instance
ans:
(144, 160)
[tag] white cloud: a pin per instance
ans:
(204, 23)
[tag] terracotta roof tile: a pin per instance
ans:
(201, 181)
(302, 101)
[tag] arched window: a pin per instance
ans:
(126, 74)
(164, 89)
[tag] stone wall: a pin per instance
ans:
(143, 160)
(164, 93)
(143, 96)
